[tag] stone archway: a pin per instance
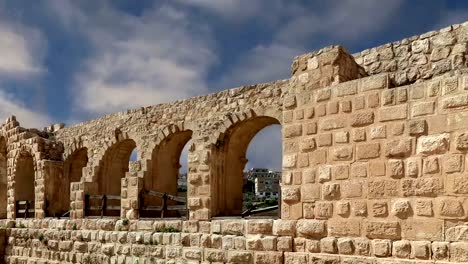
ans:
(164, 168)
(3, 178)
(229, 160)
(114, 165)
(108, 185)
(25, 178)
(72, 172)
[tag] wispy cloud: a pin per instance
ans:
(140, 60)
(9, 106)
(22, 51)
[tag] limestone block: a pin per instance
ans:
(362, 118)
(310, 128)
(240, 257)
(352, 189)
(433, 144)
(386, 230)
(342, 208)
(268, 257)
(341, 172)
(382, 188)
(459, 251)
(331, 191)
(333, 123)
(401, 208)
(344, 228)
(323, 210)
(296, 258)
(359, 208)
(379, 209)
(264, 227)
(232, 227)
(323, 94)
(310, 192)
(421, 187)
(367, 151)
(289, 101)
(382, 248)
(307, 144)
(421, 249)
(328, 245)
(420, 46)
(398, 148)
(284, 244)
(422, 109)
(289, 161)
(359, 134)
(358, 170)
(284, 227)
(462, 141)
(291, 194)
(457, 233)
(311, 228)
(440, 250)
(345, 246)
(291, 131)
(431, 165)
(423, 208)
(324, 140)
(451, 208)
(395, 168)
(324, 173)
(440, 53)
(374, 82)
(418, 127)
(453, 163)
(312, 246)
(455, 101)
(392, 113)
(192, 254)
(342, 153)
(413, 166)
(401, 249)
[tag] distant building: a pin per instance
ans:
(267, 182)
(182, 182)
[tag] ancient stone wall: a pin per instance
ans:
(218, 241)
(419, 57)
(374, 167)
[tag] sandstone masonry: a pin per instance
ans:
(374, 168)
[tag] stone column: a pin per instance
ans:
(199, 192)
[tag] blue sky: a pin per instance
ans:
(68, 61)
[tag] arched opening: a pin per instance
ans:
(24, 185)
(73, 167)
(166, 177)
(59, 199)
(262, 173)
(229, 159)
(3, 178)
(113, 167)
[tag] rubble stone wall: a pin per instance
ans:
(419, 57)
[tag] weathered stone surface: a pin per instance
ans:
(311, 228)
(386, 230)
(433, 144)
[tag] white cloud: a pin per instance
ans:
(240, 11)
(157, 57)
(22, 50)
(27, 117)
(260, 64)
(312, 24)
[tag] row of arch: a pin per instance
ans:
(227, 162)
